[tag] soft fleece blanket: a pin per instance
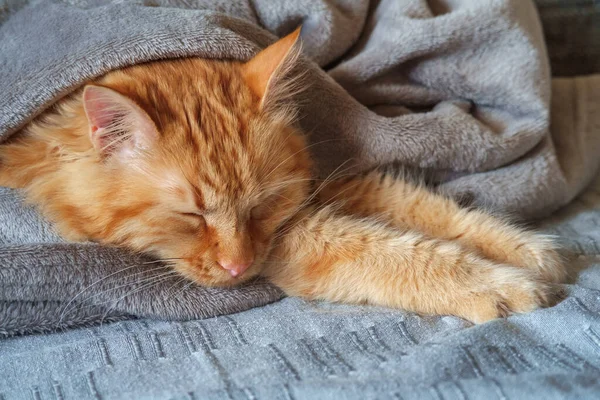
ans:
(461, 89)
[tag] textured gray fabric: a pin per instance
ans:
(461, 88)
(294, 349)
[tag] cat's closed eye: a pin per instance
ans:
(197, 216)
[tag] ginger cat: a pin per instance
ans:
(199, 161)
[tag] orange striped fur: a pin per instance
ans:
(205, 166)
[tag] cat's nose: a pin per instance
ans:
(235, 268)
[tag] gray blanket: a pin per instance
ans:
(461, 89)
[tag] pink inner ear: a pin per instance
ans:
(99, 102)
(116, 122)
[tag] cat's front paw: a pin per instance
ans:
(504, 290)
(539, 255)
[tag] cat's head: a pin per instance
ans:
(204, 157)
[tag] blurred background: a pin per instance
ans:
(572, 29)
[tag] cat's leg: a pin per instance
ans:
(405, 204)
(347, 259)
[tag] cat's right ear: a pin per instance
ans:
(266, 73)
(118, 126)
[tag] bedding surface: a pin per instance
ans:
(294, 349)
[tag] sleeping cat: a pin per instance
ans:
(199, 162)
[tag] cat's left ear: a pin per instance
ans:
(266, 72)
(118, 126)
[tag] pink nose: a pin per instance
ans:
(235, 268)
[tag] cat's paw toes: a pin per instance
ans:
(551, 265)
(509, 290)
(541, 256)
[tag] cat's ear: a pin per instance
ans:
(265, 73)
(118, 126)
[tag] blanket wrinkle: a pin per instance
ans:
(462, 89)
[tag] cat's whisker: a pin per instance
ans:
(87, 299)
(273, 189)
(120, 271)
(134, 291)
(176, 283)
(316, 210)
(284, 183)
(281, 145)
(296, 153)
(335, 174)
(132, 283)
(332, 176)
(102, 279)
(340, 193)
(183, 289)
(136, 284)
(283, 197)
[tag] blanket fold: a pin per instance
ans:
(462, 89)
